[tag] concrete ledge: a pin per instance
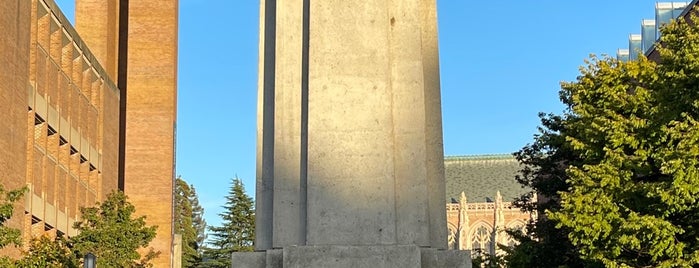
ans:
(336, 256)
(275, 258)
(445, 258)
(249, 259)
(400, 256)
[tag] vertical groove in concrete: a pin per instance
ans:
(304, 120)
(265, 176)
(287, 124)
(396, 183)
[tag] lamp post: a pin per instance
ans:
(90, 260)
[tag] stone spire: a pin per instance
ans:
(464, 241)
(499, 235)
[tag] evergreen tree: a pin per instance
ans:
(237, 232)
(111, 233)
(184, 222)
(198, 221)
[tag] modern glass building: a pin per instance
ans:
(665, 12)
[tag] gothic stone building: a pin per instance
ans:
(480, 191)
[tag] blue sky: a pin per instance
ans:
(501, 64)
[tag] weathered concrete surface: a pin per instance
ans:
(350, 125)
(446, 258)
(249, 259)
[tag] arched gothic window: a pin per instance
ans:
(452, 238)
(482, 238)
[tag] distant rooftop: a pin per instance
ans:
(481, 176)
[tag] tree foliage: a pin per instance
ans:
(111, 232)
(198, 221)
(49, 253)
(238, 230)
(188, 222)
(8, 235)
(544, 165)
(619, 170)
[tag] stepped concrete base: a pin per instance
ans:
(330, 256)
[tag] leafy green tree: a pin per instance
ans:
(628, 193)
(544, 163)
(635, 203)
(185, 217)
(237, 232)
(8, 235)
(49, 253)
(112, 233)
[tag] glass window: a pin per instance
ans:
(622, 54)
(648, 34)
(634, 46)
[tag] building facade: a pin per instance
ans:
(71, 130)
(480, 191)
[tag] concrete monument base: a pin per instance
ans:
(340, 256)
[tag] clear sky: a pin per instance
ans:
(501, 64)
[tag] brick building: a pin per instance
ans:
(88, 111)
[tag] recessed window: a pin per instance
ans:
(51, 131)
(38, 120)
(35, 220)
(62, 141)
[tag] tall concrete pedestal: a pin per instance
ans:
(350, 157)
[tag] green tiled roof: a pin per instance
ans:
(481, 176)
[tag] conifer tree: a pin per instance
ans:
(185, 222)
(198, 221)
(237, 232)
